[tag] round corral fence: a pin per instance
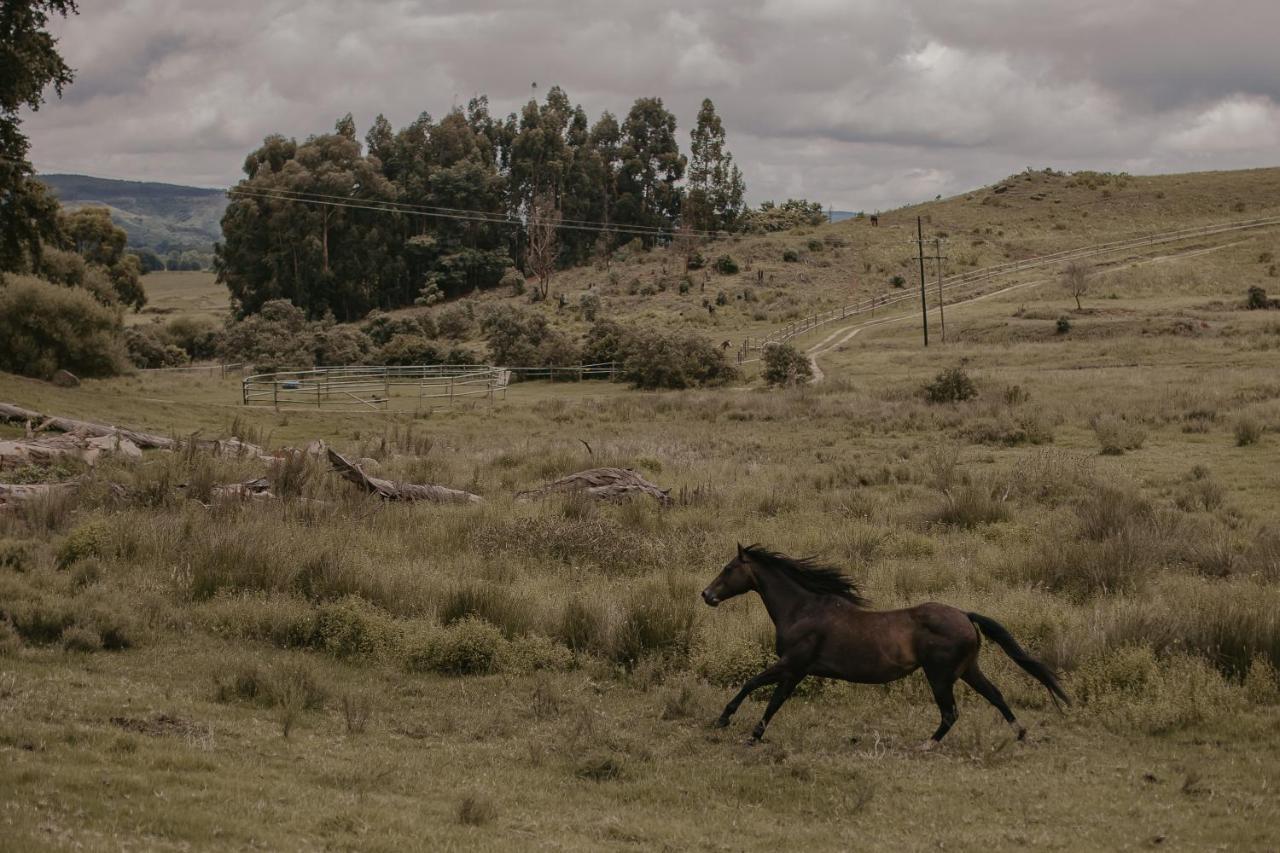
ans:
(391, 388)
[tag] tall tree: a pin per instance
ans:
(29, 62)
(715, 189)
(542, 247)
(651, 167)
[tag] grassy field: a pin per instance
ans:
(324, 671)
(181, 294)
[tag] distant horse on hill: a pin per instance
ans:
(824, 629)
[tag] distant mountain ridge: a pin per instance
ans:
(169, 219)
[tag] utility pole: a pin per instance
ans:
(938, 258)
(924, 305)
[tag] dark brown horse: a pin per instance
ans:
(824, 629)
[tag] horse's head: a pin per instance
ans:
(735, 578)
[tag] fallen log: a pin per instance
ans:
(44, 450)
(12, 494)
(10, 412)
(230, 447)
(393, 491)
(601, 483)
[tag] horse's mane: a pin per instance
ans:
(816, 577)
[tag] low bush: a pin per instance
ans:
(1117, 433)
(785, 365)
(726, 265)
(654, 359)
(151, 347)
(90, 538)
(950, 386)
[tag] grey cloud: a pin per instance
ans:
(860, 104)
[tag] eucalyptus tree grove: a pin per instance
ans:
(445, 207)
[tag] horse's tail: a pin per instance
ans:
(1000, 635)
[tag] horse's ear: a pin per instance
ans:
(742, 553)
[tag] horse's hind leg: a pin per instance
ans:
(979, 682)
(943, 684)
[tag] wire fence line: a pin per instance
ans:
(957, 280)
(399, 388)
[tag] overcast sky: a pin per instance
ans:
(861, 104)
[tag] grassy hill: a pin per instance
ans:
(165, 218)
(1024, 216)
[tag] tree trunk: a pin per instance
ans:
(389, 490)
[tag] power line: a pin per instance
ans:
(487, 217)
(497, 216)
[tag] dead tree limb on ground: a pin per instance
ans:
(11, 495)
(603, 483)
(44, 450)
(393, 491)
(229, 447)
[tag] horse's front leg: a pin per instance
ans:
(771, 675)
(781, 693)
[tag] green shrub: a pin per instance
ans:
(470, 646)
(337, 346)
(513, 280)
(408, 350)
(655, 359)
(150, 347)
(456, 322)
(45, 328)
(1063, 325)
(90, 538)
(1257, 300)
(790, 256)
(726, 265)
(16, 555)
(695, 261)
(354, 628)
(898, 282)
(197, 336)
(278, 337)
(532, 653)
(786, 365)
(950, 386)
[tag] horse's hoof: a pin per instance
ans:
(721, 722)
(927, 746)
(752, 741)
(1020, 731)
